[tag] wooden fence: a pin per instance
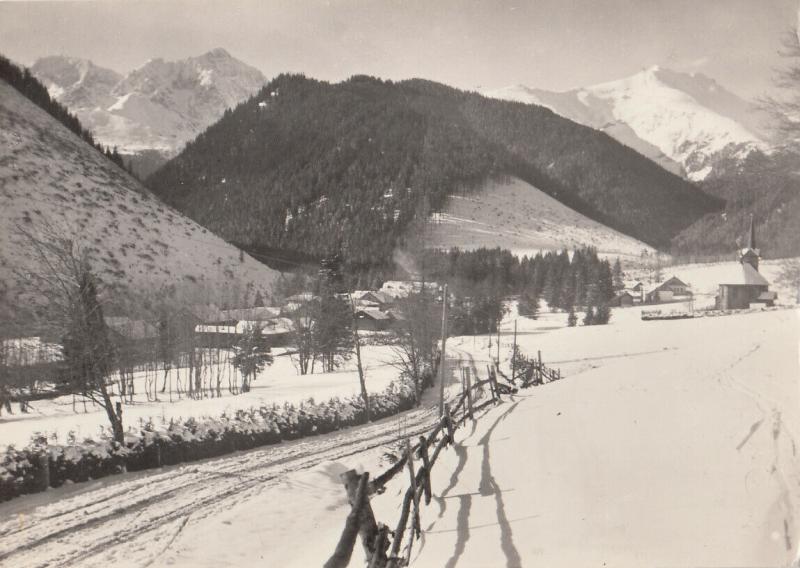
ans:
(382, 546)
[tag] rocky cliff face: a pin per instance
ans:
(158, 107)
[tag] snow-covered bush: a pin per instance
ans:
(160, 442)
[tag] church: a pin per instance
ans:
(743, 285)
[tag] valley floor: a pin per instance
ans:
(670, 443)
(276, 384)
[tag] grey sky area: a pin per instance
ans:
(553, 44)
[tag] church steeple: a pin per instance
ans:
(750, 254)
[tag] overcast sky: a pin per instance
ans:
(473, 44)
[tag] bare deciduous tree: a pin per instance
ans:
(72, 310)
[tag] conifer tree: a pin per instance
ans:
(251, 355)
(602, 315)
(572, 319)
(588, 319)
(619, 284)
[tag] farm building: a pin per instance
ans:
(276, 332)
(402, 288)
(248, 314)
(371, 319)
(743, 285)
(372, 299)
(624, 298)
(667, 291)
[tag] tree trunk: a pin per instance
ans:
(114, 415)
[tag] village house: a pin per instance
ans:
(372, 319)
(672, 289)
(372, 299)
(225, 334)
(624, 299)
(402, 288)
(248, 314)
(742, 284)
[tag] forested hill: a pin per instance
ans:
(766, 186)
(316, 168)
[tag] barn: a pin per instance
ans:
(623, 299)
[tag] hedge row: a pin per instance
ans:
(40, 465)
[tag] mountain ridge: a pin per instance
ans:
(159, 106)
(53, 180)
(319, 167)
(687, 123)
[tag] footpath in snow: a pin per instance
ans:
(667, 445)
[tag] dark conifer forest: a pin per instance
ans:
(313, 168)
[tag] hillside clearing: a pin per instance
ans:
(515, 215)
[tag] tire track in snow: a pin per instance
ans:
(123, 515)
(768, 408)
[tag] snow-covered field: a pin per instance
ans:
(517, 216)
(277, 383)
(669, 443)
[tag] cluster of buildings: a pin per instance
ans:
(740, 285)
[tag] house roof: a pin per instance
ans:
(250, 314)
(671, 281)
(742, 274)
(303, 297)
(131, 328)
(373, 314)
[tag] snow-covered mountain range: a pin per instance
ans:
(159, 106)
(688, 123)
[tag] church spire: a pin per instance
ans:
(752, 241)
(749, 255)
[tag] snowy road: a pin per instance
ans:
(132, 520)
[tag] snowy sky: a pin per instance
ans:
(473, 44)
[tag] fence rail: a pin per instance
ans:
(382, 546)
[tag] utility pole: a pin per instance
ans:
(498, 344)
(442, 354)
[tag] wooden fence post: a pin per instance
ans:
(541, 369)
(414, 497)
(426, 463)
(448, 421)
(378, 559)
(397, 541)
(514, 356)
(344, 549)
(367, 527)
(469, 391)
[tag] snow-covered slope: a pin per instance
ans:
(159, 106)
(685, 122)
(48, 176)
(515, 215)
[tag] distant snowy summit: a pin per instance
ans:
(159, 106)
(688, 123)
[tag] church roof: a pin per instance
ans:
(742, 274)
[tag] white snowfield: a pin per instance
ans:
(515, 215)
(668, 443)
(276, 384)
